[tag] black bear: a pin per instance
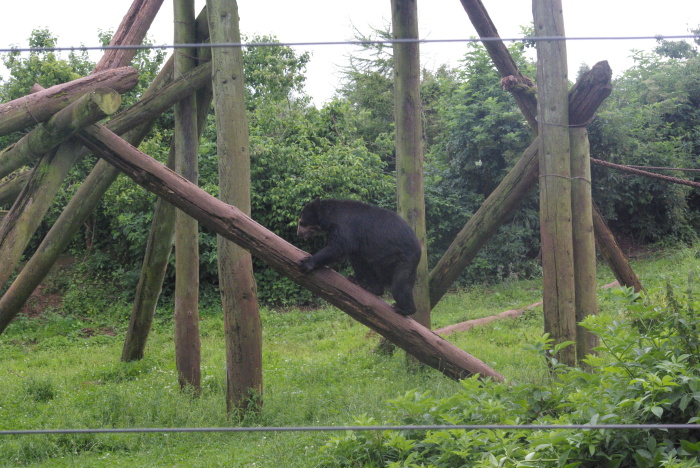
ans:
(382, 248)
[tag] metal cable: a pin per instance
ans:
(355, 42)
(467, 427)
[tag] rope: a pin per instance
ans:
(631, 170)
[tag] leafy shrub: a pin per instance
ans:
(646, 372)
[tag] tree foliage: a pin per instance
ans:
(646, 372)
(652, 118)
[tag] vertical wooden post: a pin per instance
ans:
(584, 239)
(555, 178)
(409, 143)
(186, 143)
(243, 330)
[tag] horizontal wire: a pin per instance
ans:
(467, 427)
(331, 43)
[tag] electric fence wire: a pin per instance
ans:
(336, 43)
(466, 427)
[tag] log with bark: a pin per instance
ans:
(35, 108)
(231, 223)
(90, 108)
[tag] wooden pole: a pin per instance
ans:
(409, 141)
(161, 236)
(55, 167)
(186, 144)
(230, 222)
(583, 240)
(239, 297)
(555, 179)
(136, 121)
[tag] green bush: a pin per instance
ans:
(646, 371)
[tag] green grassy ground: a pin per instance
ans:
(320, 368)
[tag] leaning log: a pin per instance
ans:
(11, 189)
(613, 255)
(89, 109)
(230, 222)
(34, 108)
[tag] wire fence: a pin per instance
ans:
(346, 42)
(465, 427)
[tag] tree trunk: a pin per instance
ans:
(137, 120)
(9, 191)
(239, 298)
(230, 222)
(155, 262)
(54, 171)
(524, 92)
(555, 179)
(409, 141)
(35, 108)
(186, 144)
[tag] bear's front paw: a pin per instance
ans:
(403, 312)
(307, 265)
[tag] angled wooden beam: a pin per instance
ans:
(230, 222)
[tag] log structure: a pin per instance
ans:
(231, 223)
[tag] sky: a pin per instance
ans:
(76, 22)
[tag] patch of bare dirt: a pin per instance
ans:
(45, 296)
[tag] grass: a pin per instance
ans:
(62, 370)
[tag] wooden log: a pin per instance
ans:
(524, 92)
(131, 31)
(410, 182)
(519, 85)
(186, 144)
(239, 297)
(90, 108)
(556, 228)
(586, 302)
(48, 175)
(34, 108)
(613, 254)
(231, 223)
(161, 235)
(12, 188)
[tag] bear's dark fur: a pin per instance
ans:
(382, 248)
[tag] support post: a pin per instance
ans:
(186, 144)
(239, 296)
(555, 179)
(409, 142)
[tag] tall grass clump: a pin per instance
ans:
(645, 371)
